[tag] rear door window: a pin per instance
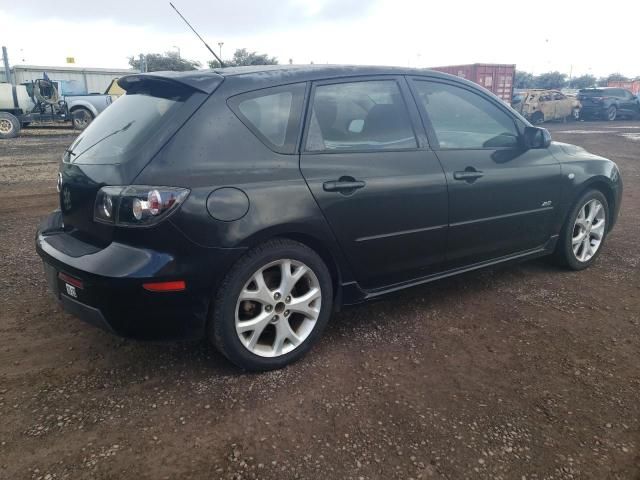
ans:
(272, 114)
(359, 116)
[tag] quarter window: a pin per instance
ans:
(269, 115)
(368, 115)
(463, 119)
(272, 114)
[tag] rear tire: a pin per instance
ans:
(584, 233)
(9, 125)
(264, 318)
(82, 117)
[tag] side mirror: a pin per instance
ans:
(536, 137)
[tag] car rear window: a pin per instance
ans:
(125, 126)
(592, 93)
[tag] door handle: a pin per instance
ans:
(469, 175)
(343, 185)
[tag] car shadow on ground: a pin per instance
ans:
(387, 314)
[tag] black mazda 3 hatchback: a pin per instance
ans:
(245, 205)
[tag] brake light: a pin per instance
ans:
(137, 205)
(175, 286)
(70, 280)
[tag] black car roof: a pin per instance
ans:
(337, 70)
(268, 75)
(309, 72)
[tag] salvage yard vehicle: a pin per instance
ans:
(608, 103)
(41, 102)
(246, 205)
(539, 106)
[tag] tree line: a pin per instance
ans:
(558, 80)
(154, 62)
(172, 61)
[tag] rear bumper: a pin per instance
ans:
(593, 111)
(111, 294)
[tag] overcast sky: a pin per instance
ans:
(538, 36)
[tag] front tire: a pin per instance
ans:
(584, 233)
(612, 113)
(272, 306)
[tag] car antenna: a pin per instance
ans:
(198, 35)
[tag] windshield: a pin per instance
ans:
(124, 128)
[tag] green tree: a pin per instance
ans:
(551, 80)
(157, 62)
(584, 81)
(243, 57)
(523, 79)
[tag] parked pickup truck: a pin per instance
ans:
(47, 101)
(82, 107)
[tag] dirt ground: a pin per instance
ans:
(521, 372)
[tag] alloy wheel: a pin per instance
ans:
(588, 230)
(278, 308)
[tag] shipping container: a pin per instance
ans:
(497, 78)
(631, 85)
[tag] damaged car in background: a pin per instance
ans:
(539, 106)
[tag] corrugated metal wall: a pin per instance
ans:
(95, 80)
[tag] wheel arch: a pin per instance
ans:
(603, 185)
(322, 250)
(85, 106)
(329, 253)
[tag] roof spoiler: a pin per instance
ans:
(205, 82)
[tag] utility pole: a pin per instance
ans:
(7, 70)
(143, 64)
(220, 44)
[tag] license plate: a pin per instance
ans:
(71, 290)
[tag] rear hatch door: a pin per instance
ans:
(591, 96)
(121, 141)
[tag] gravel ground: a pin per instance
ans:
(521, 372)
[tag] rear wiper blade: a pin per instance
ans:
(123, 129)
(70, 152)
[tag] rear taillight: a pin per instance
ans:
(137, 205)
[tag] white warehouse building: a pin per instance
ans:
(77, 80)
